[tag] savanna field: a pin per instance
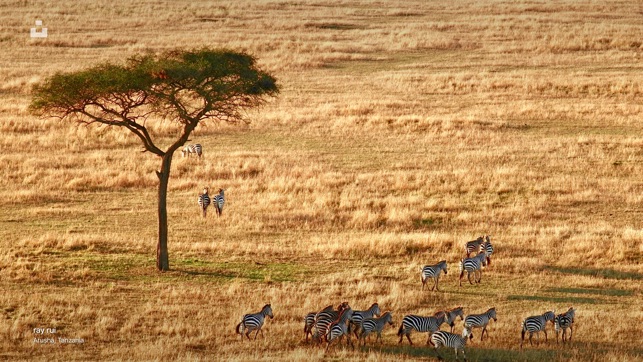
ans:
(402, 130)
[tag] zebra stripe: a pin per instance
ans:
(452, 315)
(375, 324)
(473, 265)
(564, 321)
(446, 339)
(473, 245)
(339, 328)
(324, 318)
(359, 315)
(204, 201)
(487, 248)
(190, 149)
(218, 201)
(251, 322)
(433, 272)
(536, 324)
(309, 321)
(480, 321)
(420, 324)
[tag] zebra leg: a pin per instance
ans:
(545, 331)
(571, 331)
(409, 338)
(484, 329)
(469, 277)
(461, 275)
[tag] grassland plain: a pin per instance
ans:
(403, 130)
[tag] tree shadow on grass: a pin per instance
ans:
(604, 273)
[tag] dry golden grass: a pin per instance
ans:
(403, 130)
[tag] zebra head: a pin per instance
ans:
(205, 190)
(443, 263)
(375, 309)
(492, 314)
(185, 150)
(388, 317)
(550, 316)
(267, 310)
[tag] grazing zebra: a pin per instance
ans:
(536, 324)
(323, 320)
(446, 339)
(339, 328)
(190, 149)
(360, 315)
(487, 248)
(473, 265)
(420, 324)
(375, 324)
(564, 321)
(433, 272)
(251, 322)
(309, 321)
(480, 321)
(452, 315)
(204, 201)
(218, 201)
(473, 245)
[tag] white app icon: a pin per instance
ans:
(39, 34)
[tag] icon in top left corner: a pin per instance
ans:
(39, 31)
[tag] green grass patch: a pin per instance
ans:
(607, 292)
(572, 300)
(604, 273)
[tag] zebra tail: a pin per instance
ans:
(239, 327)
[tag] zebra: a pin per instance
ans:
(251, 322)
(339, 328)
(433, 272)
(473, 265)
(446, 339)
(204, 201)
(420, 324)
(324, 318)
(536, 324)
(218, 201)
(487, 248)
(309, 321)
(375, 324)
(452, 315)
(473, 245)
(480, 321)
(359, 315)
(190, 149)
(564, 321)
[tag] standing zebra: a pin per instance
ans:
(446, 339)
(433, 272)
(218, 201)
(420, 324)
(480, 321)
(251, 322)
(473, 245)
(564, 321)
(487, 248)
(536, 324)
(452, 315)
(190, 149)
(359, 315)
(309, 321)
(339, 328)
(473, 265)
(204, 201)
(375, 324)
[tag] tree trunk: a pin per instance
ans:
(162, 256)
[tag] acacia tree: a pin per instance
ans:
(184, 87)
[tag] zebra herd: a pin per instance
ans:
(331, 325)
(204, 199)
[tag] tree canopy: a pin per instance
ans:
(184, 87)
